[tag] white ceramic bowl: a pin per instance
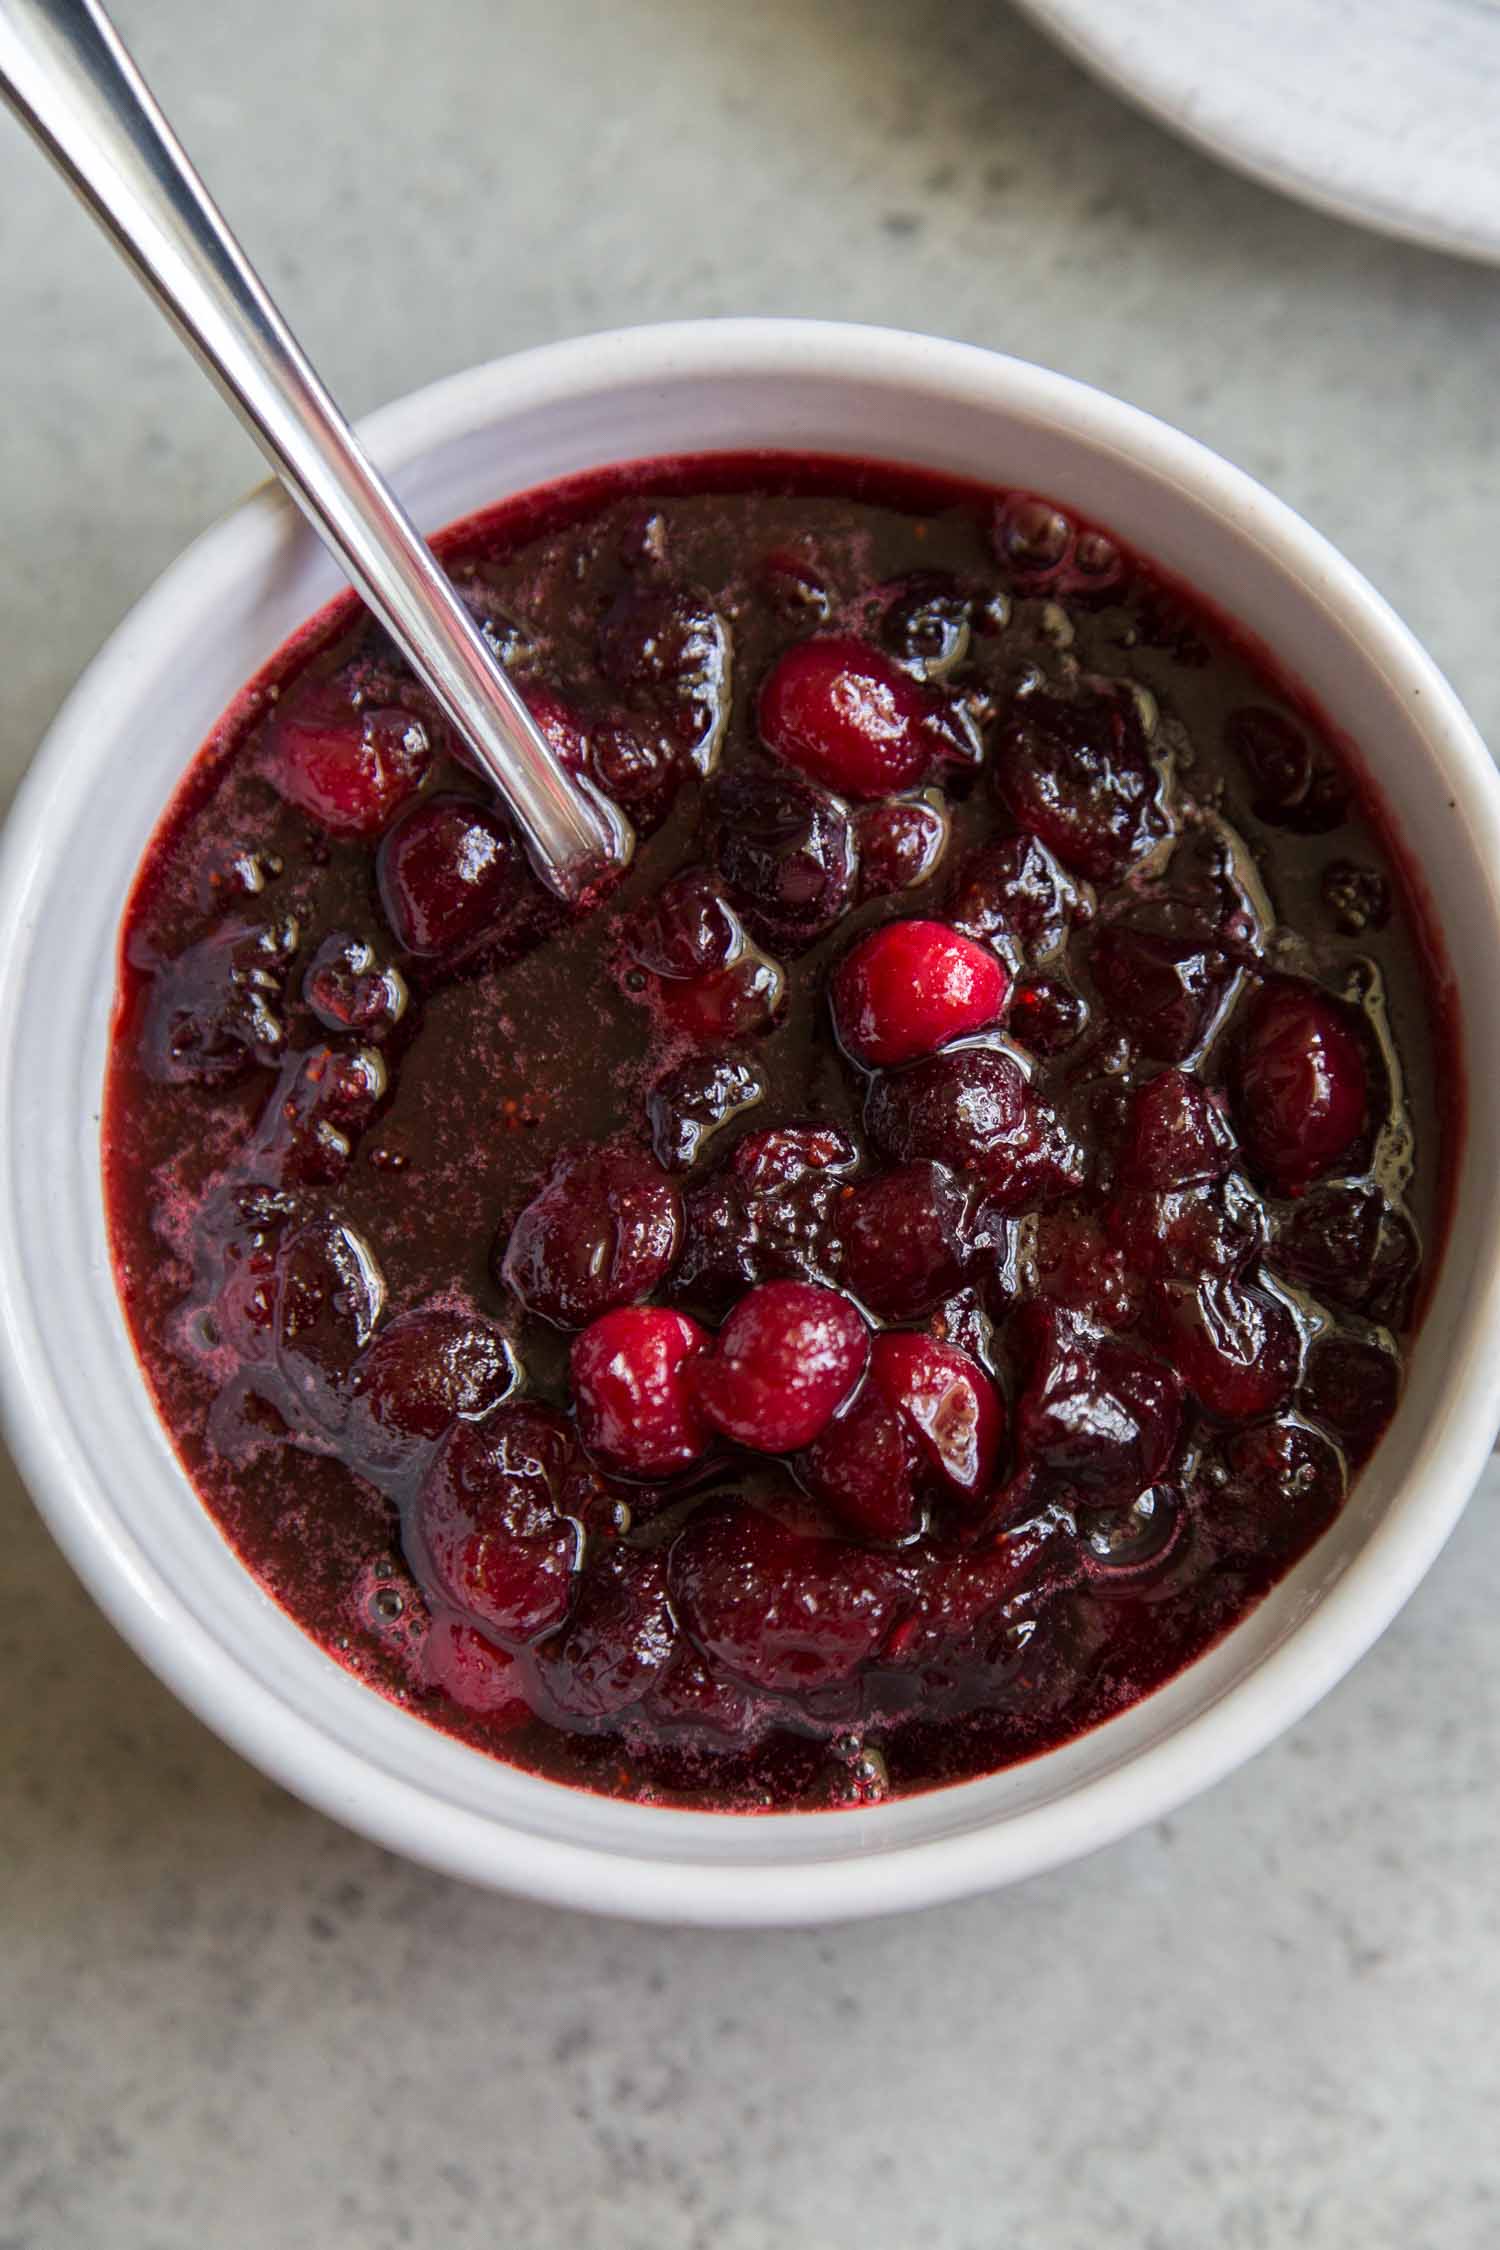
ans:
(77, 1410)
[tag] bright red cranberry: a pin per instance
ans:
(218, 1007)
(899, 845)
(637, 1411)
(1014, 896)
(1163, 990)
(842, 713)
(424, 1372)
(617, 1641)
(903, 1241)
(1299, 1081)
(1103, 1415)
(782, 1364)
(1351, 1384)
(351, 769)
(784, 1610)
(973, 1111)
(1352, 1248)
(949, 1405)
(1077, 774)
(602, 1231)
(694, 1101)
(482, 1679)
(1272, 1489)
(349, 988)
(786, 848)
(1235, 1348)
(863, 1467)
(445, 871)
(769, 1215)
(1047, 1017)
(328, 1293)
(909, 988)
(495, 1530)
(1177, 1134)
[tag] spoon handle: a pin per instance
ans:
(68, 77)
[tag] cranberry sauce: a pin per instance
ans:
(883, 1290)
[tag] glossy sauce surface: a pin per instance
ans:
(1138, 1247)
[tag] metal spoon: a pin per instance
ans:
(66, 74)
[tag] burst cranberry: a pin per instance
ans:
(1235, 1348)
(899, 845)
(349, 988)
(909, 988)
(949, 1405)
(602, 1231)
(1014, 896)
(740, 1002)
(494, 1531)
(1101, 1414)
(782, 1364)
(1351, 1385)
(784, 1610)
(482, 1679)
(902, 1236)
(694, 1101)
(1163, 990)
(1077, 774)
(1352, 1248)
(351, 769)
(1125, 1546)
(328, 1296)
(322, 1102)
(217, 1007)
(863, 1467)
(1176, 1134)
(845, 715)
(686, 929)
(637, 1411)
(1292, 788)
(768, 1215)
(1047, 1017)
(669, 644)
(1217, 1227)
(617, 1641)
(786, 848)
(979, 1605)
(1272, 1488)
(420, 1375)
(974, 1111)
(446, 870)
(1301, 1088)
(1079, 1269)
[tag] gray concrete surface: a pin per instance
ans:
(1270, 2021)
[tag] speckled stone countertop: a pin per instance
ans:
(1269, 2022)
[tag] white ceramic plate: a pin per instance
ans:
(1386, 112)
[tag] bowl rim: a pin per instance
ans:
(851, 1879)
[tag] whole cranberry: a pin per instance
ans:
(445, 871)
(1013, 896)
(1076, 774)
(483, 1679)
(782, 1364)
(617, 1641)
(909, 988)
(686, 929)
(416, 1378)
(603, 1230)
(1269, 1490)
(1102, 1414)
(844, 714)
(787, 1611)
(786, 849)
(947, 1403)
(349, 988)
(350, 768)
(973, 1111)
(903, 1240)
(1300, 1083)
(1047, 1017)
(494, 1531)
(1176, 1134)
(899, 845)
(1351, 1384)
(1235, 1348)
(863, 1467)
(637, 1411)
(740, 1002)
